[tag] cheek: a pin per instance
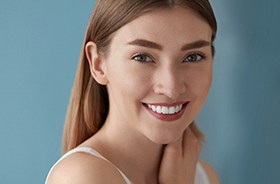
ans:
(129, 81)
(205, 83)
(200, 82)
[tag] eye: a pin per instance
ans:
(143, 58)
(195, 57)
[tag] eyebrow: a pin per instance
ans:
(145, 43)
(149, 44)
(196, 45)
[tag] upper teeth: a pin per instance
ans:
(165, 110)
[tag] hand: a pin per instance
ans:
(178, 165)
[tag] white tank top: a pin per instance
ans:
(200, 176)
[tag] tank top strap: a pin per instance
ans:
(201, 176)
(95, 153)
(91, 152)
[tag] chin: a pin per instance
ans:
(163, 138)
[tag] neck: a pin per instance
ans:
(133, 153)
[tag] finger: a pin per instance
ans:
(191, 144)
(171, 159)
(174, 149)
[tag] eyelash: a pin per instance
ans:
(196, 54)
(201, 56)
(142, 55)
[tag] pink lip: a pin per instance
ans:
(167, 117)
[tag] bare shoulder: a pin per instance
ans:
(82, 168)
(212, 175)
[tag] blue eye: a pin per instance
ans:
(142, 58)
(194, 58)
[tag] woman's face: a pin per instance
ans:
(159, 69)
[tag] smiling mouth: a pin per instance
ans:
(166, 112)
(165, 109)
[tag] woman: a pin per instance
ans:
(144, 74)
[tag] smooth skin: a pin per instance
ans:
(172, 64)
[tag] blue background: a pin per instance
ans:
(40, 43)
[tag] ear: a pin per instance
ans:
(97, 66)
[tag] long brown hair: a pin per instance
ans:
(89, 104)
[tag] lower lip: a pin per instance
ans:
(167, 117)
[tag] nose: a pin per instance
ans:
(169, 82)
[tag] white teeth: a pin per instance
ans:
(178, 108)
(172, 110)
(166, 110)
(158, 109)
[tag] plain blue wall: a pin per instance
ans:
(40, 44)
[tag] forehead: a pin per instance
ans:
(166, 27)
